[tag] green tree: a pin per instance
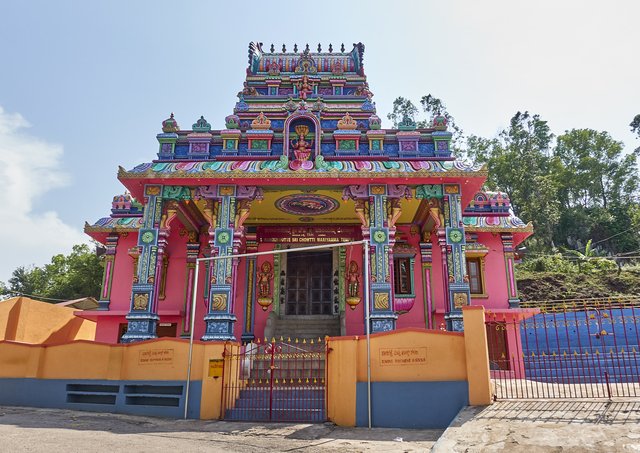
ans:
(596, 171)
(635, 127)
(72, 276)
(402, 108)
(520, 164)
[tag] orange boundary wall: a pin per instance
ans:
(437, 356)
(154, 360)
(433, 356)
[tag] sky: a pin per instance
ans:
(84, 86)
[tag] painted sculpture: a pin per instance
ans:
(353, 285)
(265, 276)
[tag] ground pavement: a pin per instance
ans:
(509, 426)
(568, 426)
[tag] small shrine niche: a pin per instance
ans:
(302, 142)
(347, 136)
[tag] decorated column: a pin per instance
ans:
(509, 258)
(426, 258)
(250, 283)
(193, 250)
(459, 294)
(107, 275)
(226, 235)
(371, 209)
(451, 240)
(142, 317)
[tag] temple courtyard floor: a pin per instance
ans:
(513, 426)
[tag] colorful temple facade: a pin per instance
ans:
(303, 160)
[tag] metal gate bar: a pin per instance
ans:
(275, 381)
(566, 352)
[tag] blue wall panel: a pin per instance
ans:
(154, 398)
(411, 404)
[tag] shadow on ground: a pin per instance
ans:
(26, 417)
(566, 411)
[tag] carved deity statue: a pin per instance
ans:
(353, 285)
(353, 279)
(305, 87)
(247, 90)
(264, 279)
(301, 147)
(265, 275)
(363, 90)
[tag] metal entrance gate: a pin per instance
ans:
(275, 381)
(566, 351)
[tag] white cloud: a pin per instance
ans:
(29, 167)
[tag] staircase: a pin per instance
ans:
(308, 327)
(295, 392)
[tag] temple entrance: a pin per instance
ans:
(309, 283)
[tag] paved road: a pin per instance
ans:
(516, 426)
(48, 430)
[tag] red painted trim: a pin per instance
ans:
(403, 330)
(153, 340)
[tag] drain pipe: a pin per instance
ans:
(368, 325)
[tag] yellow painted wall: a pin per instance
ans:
(444, 353)
(409, 355)
(31, 321)
(477, 356)
(341, 381)
(155, 360)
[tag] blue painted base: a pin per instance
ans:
(454, 321)
(514, 303)
(383, 322)
(141, 326)
(219, 326)
(153, 398)
(411, 404)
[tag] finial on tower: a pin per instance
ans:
(295, 48)
(342, 48)
(330, 48)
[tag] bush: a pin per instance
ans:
(549, 263)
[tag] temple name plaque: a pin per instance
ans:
(402, 356)
(156, 357)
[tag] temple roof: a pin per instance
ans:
(321, 169)
(294, 61)
(499, 224)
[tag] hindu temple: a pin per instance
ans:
(303, 160)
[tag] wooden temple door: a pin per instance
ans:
(309, 283)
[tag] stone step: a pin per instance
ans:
(306, 327)
(276, 415)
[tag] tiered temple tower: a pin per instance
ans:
(303, 159)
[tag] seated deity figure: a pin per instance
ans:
(301, 147)
(305, 87)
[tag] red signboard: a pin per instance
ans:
(309, 234)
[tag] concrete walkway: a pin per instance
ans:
(545, 426)
(48, 430)
(509, 426)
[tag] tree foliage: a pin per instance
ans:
(579, 186)
(67, 277)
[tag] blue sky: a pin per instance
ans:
(84, 85)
